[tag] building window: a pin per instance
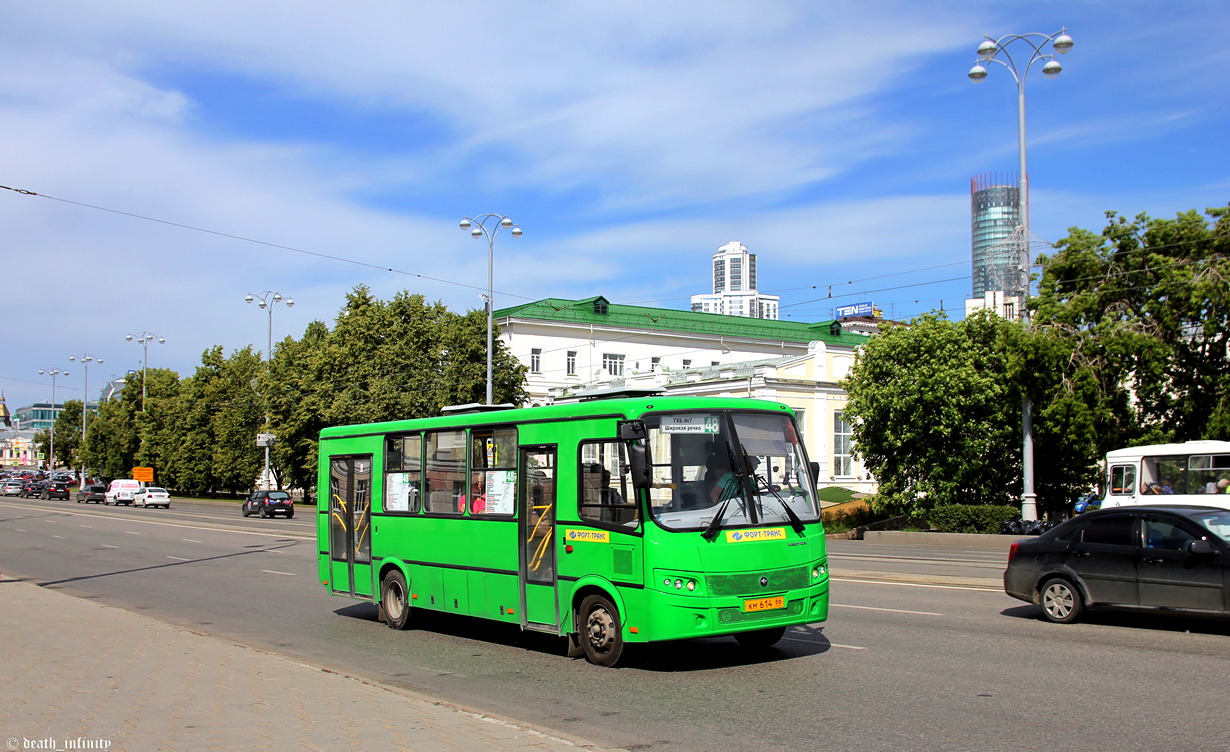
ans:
(843, 464)
(613, 364)
(654, 362)
(687, 363)
(715, 362)
(571, 363)
(719, 275)
(536, 360)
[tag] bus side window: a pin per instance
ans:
(1123, 480)
(445, 470)
(606, 494)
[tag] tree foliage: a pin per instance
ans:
(381, 360)
(1144, 312)
(935, 417)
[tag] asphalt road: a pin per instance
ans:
(908, 660)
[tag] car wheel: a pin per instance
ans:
(264, 512)
(395, 600)
(761, 639)
(243, 509)
(602, 635)
(1061, 601)
(290, 515)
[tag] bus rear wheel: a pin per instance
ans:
(761, 639)
(601, 633)
(395, 600)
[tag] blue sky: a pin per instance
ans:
(629, 141)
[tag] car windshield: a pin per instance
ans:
(1217, 521)
(154, 490)
(727, 469)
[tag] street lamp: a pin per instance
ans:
(996, 51)
(85, 361)
(144, 338)
(267, 299)
(53, 372)
(478, 229)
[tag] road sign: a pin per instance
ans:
(266, 439)
(143, 474)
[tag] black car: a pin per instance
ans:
(31, 489)
(269, 503)
(1169, 559)
(54, 489)
(95, 494)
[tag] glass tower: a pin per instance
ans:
(996, 212)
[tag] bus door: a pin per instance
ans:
(350, 522)
(536, 490)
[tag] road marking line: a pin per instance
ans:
(919, 584)
(90, 526)
(288, 574)
(129, 532)
(61, 537)
(19, 530)
(893, 610)
(189, 540)
(178, 558)
(106, 546)
(96, 515)
(847, 647)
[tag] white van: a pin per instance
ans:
(1194, 472)
(122, 491)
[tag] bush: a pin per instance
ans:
(840, 522)
(969, 518)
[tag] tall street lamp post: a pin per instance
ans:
(996, 51)
(85, 361)
(265, 300)
(53, 372)
(144, 338)
(478, 229)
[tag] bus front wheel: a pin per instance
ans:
(395, 600)
(601, 635)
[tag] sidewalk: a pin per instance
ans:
(75, 674)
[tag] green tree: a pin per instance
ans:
(68, 433)
(935, 416)
(1142, 313)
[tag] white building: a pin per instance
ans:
(578, 345)
(734, 286)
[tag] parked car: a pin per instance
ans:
(54, 489)
(152, 496)
(1170, 559)
(12, 488)
(122, 490)
(269, 503)
(1087, 503)
(95, 494)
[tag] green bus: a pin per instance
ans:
(609, 521)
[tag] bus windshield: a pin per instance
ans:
(728, 469)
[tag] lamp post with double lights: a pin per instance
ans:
(52, 372)
(85, 361)
(144, 338)
(266, 300)
(996, 51)
(477, 226)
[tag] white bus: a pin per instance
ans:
(1194, 472)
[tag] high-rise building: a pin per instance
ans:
(734, 286)
(995, 213)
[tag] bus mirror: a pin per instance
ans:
(638, 465)
(632, 430)
(814, 467)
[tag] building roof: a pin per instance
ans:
(599, 311)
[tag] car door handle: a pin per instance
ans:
(1079, 554)
(1152, 560)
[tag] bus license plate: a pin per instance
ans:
(765, 604)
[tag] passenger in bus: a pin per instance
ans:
(608, 495)
(1223, 485)
(729, 485)
(478, 498)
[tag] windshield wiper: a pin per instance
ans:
(795, 522)
(712, 528)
